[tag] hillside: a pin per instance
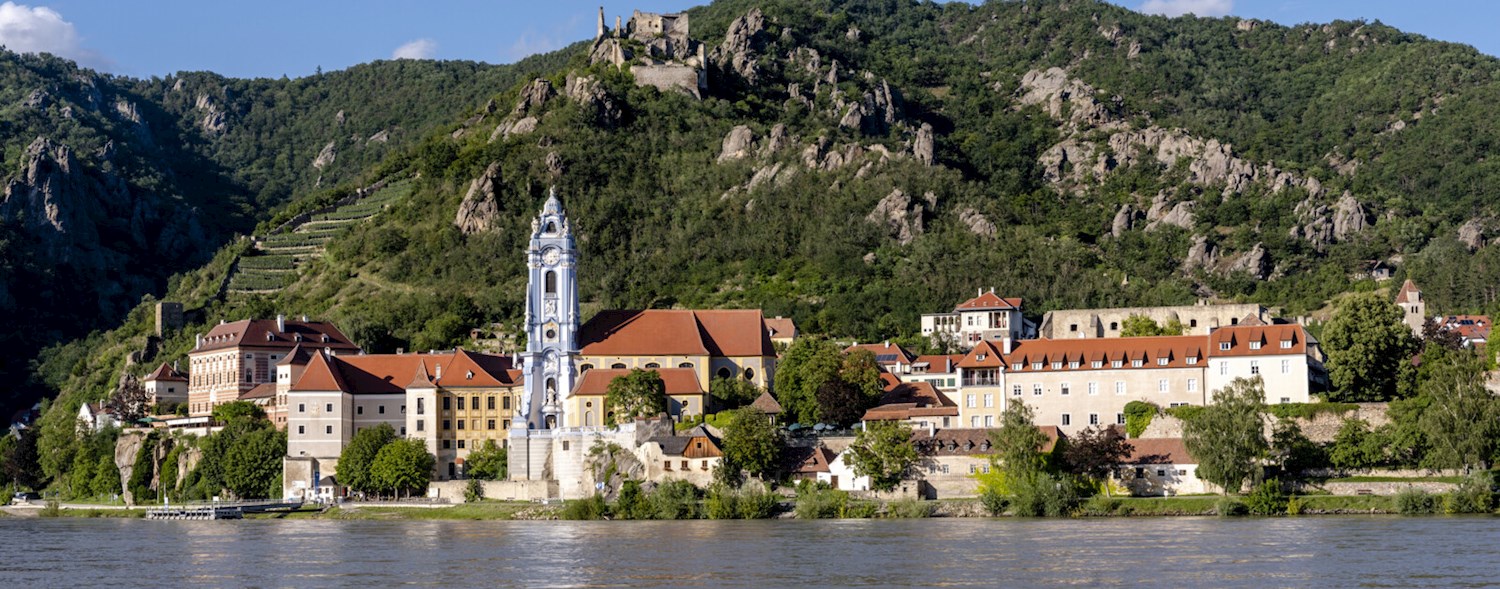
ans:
(856, 163)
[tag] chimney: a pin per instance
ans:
(438, 371)
(1007, 344)
(198, 341)
(931, 430)
(887, 344)
(980, 293)
(304, 318)
(281, 324)
(400, 351)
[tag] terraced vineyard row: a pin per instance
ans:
(274, 261)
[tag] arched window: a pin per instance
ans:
(551, 282)
(652, 365)
(551, 227)
(749, 373)
(582, 368)
(685, 365)
(588, 418)
(724, 372)
(617, 366)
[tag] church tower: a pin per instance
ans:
(551, 326)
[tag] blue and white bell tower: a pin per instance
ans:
(551, 347)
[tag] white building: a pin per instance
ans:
(1285, 357)
(986, 317)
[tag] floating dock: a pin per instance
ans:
(216, 511)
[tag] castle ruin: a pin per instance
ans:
(657, 49)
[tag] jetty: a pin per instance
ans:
(219, 509)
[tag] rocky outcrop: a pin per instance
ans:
(381, 137)
(900, 215)
(533, 95)
(738, 143)
(1161, 213)
(977, 223)
(55, 201)
(481, 205)
(1064, 98)
(1322, 225)
(214, 121)
(1472, 232)
(326, 157)
(590, 95)
(1124, 220)
(38, 99)
(922, 145)
(127, 448)
(776, 141)
(742, 43)
(555, 166)
(1255, 262)
(1201, 256)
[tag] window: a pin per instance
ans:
(1192, 385)
(1161, 472)
(989, 400)
(749, 374)
(1067, 419)
(652, 365)
(461, 404)
(328, 407)
(551, 282)
(1223, 367)
(1036, 390)
(1036, 365)
(685, 365)
(1224, 346)
(301, 429)
(447, 444)
(403, 431)
(1286, 366)
(1254, 367)
(1072, 327)
(1097, 364)
(1286, 344)
(1114, 326)
(328, 429)
(1065, 388)
(420, 423)
(1057, 365)
(447, 425)
(974, 421)
(722, 373)
(489, 424)
(460, 444)
(359, 410)
(505, 403)
(1192, 322)
(1119, 387)
(1117, 364)
(1015, 390)
(1016, 366)
(971, 400)
(302, 408)
(1073, 365)
(447, 403)
(1093, 419)
(1162, 361)
(1119, 419)
(1136, 363)
(1255, 345)
(380, 409)
(989, 421)
(666, 465)
(461, 424)
(1192, 360)
(1161, 386)
(945, 469)
(1093, 388)
(1286, 399)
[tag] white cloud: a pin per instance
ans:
(1181, 7)
(26, 29)
(418, 49)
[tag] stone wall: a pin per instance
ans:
(1385, 488)
(669, 77)
(1321, 428)
(1094, 323)
(496, 490)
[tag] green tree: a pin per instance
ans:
(860, 369)
(1355, 446)
(732, 393)
(486, 463)
(1462, 421)
(1227, 437)
(1143, 326)
(21, 461)
(1367, 346)
(1095, 453)
(1018, 444)
(840, 403)
(807, 364)
(252, 465)
(357, 457)
(1293, 450)
(751, 443)
(403, 467)
(883, 451)
(635, 395)
(238, 410)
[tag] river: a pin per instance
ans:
(1168, 552)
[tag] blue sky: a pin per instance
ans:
(275, 37)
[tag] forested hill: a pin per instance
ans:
(114, 184)
(856, 163)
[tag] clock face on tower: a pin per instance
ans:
(550, 256)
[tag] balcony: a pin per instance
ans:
(981, 381)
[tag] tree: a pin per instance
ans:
(357, 457)
(883, 451)
(732, 393)
(1293, 450)
(1018, 443)
(487, 463)
(252, 464)
(130, 400)
(1226, 437)
(1143, 326)
(238, 410)
(635, 395)
(1353, 448)
(807, 364)
(403, 467)
(1462, 422)
(860, 369)
(21, 462)
(1095, 452)
(840, 402)
(751, 442)
(1367, 345)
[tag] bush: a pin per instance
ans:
(631, 504)
(1473, 495)
(860, 510)
(1267, 498)
(723, 502)
(1101, 505)
(820, 503)
(1185, 412)
(674, 500)
(1230, 507)
(1045, 495)
(474, 491)
(994, 501)
(909, 509)
(1138, 415)
(1293, 506)
(584, 509)
(1414, 501)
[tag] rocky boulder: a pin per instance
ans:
(533, 95)
(1124, 220)
(1349, 217)
(738, 143)
(1472, 232)
(742, 43)
(977, 223)
(900, 215)
(325, 157)
(591, 96)
(481, 205)
(922, 146)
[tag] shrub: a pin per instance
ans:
(631, 504)
(1138, 415)
(1293, 506)
(1185, 412)
(820, 503)
(584, 509)
(909, 509)
(757, 503)
(994, 501)
(1473, 495)
(474, 491)
(1267, 498)
(1045, 495)
(860, 510)
(1101, 505)
(52, 509)
(1414, 501)
(1230, 507)
(674, 500)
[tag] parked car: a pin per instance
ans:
(24, 497)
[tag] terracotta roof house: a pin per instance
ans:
(892, 357)
(802, 462)
(783, 330)
(711, 344)
(919, 404)
(1161, 466)
(233, 358)
(768, 405)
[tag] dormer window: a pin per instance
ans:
(1016, 366)
(1036, 365)
(981, 357)
(1192, 360)
(1117, 364)
(1057, 365)
(1286, 344)
(1162, 361)
(469, 375)
(1136, 363)
(1255, 345)
(1224, 346)
(270, 336)
(1073, 365)
(1097, 364)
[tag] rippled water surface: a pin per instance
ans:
(1167, 552)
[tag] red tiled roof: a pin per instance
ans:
(805, 460)
(1158, 451)
(670, 332)
(984, 355)
(1241, 338)
(781, 327)
(989, 300)
(1176, 349)
(394, 373)
(885, 353)
(299, 356)
(767, 404)
(970, 441)
(1409, 292)
(940, 363)
(165, 373)
(262, 333)
(904, 400)
(1468, 327)
(261, 391)
(678, 381)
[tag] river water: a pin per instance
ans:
(1167, 552)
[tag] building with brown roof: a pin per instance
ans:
(1107, 323)
(691, 455)
(1413, 307)
(918, 404)
(685, 394)
(891, 357)
(1161, 466)
(233, 358)
(783, 330)
(166, 385)
(986, 317)
(1473, 331)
